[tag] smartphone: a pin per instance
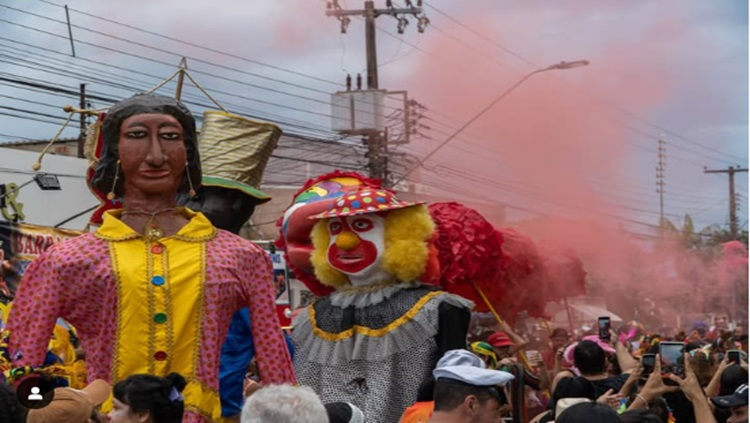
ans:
(648, 361)
(733, 356)
(604, 327)
(672, 359)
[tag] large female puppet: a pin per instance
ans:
(377, 337)
(154, 288)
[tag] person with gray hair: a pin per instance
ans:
(284, 404)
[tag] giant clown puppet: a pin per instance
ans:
(377, 336)
(378, 262)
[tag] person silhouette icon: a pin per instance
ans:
(35, 392)
(35, 395)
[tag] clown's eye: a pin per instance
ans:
(362, 225)
(335, 228)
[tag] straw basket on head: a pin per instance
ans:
(235, 150)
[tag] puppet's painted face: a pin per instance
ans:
(296, 224)
(356, 247)
(152, 152)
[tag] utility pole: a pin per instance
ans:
(82, 106)
(661, 167)
(377, 154)
(733, 224)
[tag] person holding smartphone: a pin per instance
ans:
(720, 382)
(688, 386)
(553, 356)
(648, 362)
(589, 357)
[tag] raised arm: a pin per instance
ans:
(518, 342)
(713, 386)
(693, 391)
(624, 358)
(274, 362)
(39, 301)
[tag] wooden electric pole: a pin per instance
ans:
(733, 224)
(82, 105)
(376, 153)
(660, 169)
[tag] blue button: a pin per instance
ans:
(157, 280)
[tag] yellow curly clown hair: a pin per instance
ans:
(407, 232)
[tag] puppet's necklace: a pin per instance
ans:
(153, 232)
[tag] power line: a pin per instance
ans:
(68, 73)
(209, 49)
(165, 51)
(500, 46)
(147, 85)
(52, 88)
(493, 160)
(462, 191)
(29, 118)
(210, 63)
(530, 192)
(192, 58)
(297, 109)
(628, 126)
(147, 31)
(601, 100)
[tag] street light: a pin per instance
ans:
(569, 65)
(559, 66)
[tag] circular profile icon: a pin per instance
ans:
(35, 392)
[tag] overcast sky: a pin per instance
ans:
(577, 143)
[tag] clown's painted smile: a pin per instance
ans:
(357, 244)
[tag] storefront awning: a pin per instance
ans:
(586, 312)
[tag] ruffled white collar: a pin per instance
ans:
(367, 296)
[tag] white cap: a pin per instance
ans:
(460, 358)
(473, 375)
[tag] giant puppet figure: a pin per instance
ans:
(378, 335)
(374, 260)
(154, 288)
(234, 152)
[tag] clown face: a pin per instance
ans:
(356, 247)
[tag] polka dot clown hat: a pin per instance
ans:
(363, 201)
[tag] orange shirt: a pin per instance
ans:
(420, 412)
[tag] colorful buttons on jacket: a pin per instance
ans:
(160, 317)
(160, 356)
(157, 280)
(157, 249)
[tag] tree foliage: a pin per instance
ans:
(709, 238)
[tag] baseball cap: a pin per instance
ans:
(472, 375)
(460, 358)
(72, 405)
(736, 399)
(499, 339)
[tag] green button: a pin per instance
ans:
(160, 317)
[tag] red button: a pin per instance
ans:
(160, 356)
(157, 249)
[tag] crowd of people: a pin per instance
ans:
(149, 298)
(500, 376)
